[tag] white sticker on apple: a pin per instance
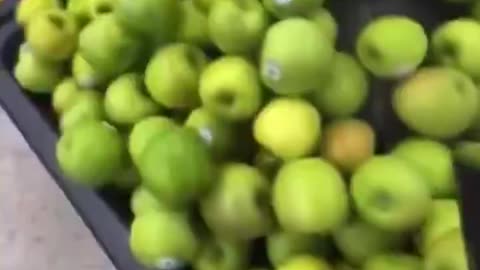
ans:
(272, 70)
(206, 135)
(169, 264)
(283, 2)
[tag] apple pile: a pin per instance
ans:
(232, 121)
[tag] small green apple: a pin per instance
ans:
(87, 105)
(291, 8)
(346, 91)
(26, 10)
(323, 205)
(325, 21)
(305, 262)
(394, 261)
(163, 239)
(238, 207)
(64, 95)
(85, 74)
(143, 202)
(388, 53)
(125, 102)
(230, 88)
(218, 254)
(399, 204)
(435, 93)
(299, 67)
(193, 27)
(80, 158)
(455, 43)
(172, 75)
(434, 160)
(448, 252)
(300, 126)
(237, 27)
(467, 153)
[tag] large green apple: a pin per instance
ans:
(26, 10)
(64, 95)
(292, 68)
(87, 105)
(323, 204)
(238, 206)
(218, 254)
(448, 252)
(305, 262)
(291, 8)
(394, 261)
(399, 204)
(86, 76)
(193, 26)
(325, 21)
(435, 93)
(467, 153)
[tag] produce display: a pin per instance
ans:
(235, 127)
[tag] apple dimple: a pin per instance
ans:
(104, 8)
(225, 98)
(381, 199)
(373, 53)
(448, 51)
(57, 20)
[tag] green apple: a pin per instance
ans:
(26, 10)
(291, 8)
(435, 93)
(215, 131)
(399, 204)
(323, 205)
(434, 160)
(444, 217)
(305, 262)
(87, 105)
(325, 21)
(193, 27)
(394, 261)
(346, 91)
(282, 245)
(157, 19)
(125, 103)
(467, 153)
(300, 126)
(64, 95)
(53, 35)
(237, 27)
(230, 88)
(357, 241)
(107, 47)
(35, 74)
(176, 167)
(348, 143)
(163, 239)
(448, 252)
(238, 206)
(86, 76)
(172, 75)
(299, 67)
(455, 43)
(217, 254)
(392, 54)
(142, 202)
(80, 158)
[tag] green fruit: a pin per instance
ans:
(437, 93)
(325, 21)
(357, 241)
(300, 126)
(237, 27)
(87, 105)
(193, 27)
(80, 158)
(125, 103)
(98, 8)
(444, 217)
(394, 261)
(434, 160)
(323, 205)
(448, 252)
(230, 88)
(467, 153)
(216, 254)
(282, 246)
(299, 67)
(85, 74)
(305, 262)
(27, 10)
(348, 143)
(291, 8)
(176, 167)
(238, 206)
(142, 202)
(64, 95)
(172, 75)
(399, 204)
(346, 91)
(388, 53)
(144, 131)
(80, 10)
(164, 240)
(107, 47)
(53, 35)
(455, 43)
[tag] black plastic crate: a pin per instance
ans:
(106, 212)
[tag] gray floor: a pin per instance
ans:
(38, 226)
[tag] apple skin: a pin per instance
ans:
(326, 22)
(64, 95)
(323, 205)
(143, 201)
(305, 262)
(300, 124)
(437, 93)
(290, 8)
(26, 10)
(399, 204)
(98, 8)
(172, 75)
(455, 43)
(238, 206)
(218, 254)
(87, 105)
(79, 10)
(125, 102)
(85, 74)
(448, 252)
(467, 153)
(346, 91)
(299, 67)
(237, 27)
(230, 88)
(394, 261)
(81, 160)
(351, 239)
(282, 245)
(434, 160)
(344, 266)
(193, 28)
(392, 54)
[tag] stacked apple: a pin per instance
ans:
(235, 120)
